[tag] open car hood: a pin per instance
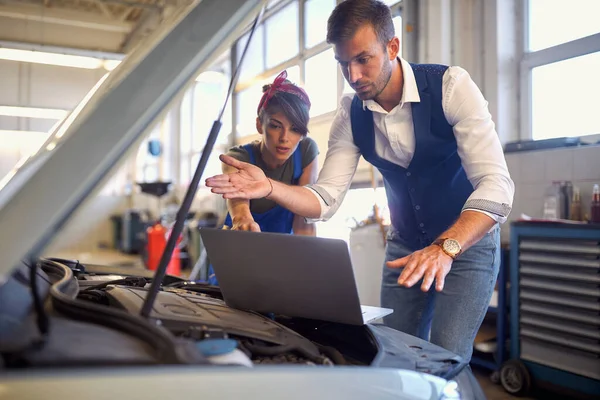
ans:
(40, 195)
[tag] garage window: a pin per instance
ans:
(559, 79)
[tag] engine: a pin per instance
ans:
(90, 315)
(63, 314)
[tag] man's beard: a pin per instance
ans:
(380, 84)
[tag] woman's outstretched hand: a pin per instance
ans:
(248, 182)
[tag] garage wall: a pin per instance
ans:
(90, 227)
(534, 171)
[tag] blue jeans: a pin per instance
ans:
(452, 317)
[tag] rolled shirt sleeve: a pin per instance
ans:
(478, 146)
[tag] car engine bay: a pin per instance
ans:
(86, 315)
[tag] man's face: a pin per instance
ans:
(365, 62)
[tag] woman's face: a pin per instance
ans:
(280, 138)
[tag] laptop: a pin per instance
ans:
(296, 276)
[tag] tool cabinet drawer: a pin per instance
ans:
(560, 357)
(564, 246)
(565, 312)
(579, 302)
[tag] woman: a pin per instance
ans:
(284, 153)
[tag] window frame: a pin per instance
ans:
(187, 155)
(299, 59)
(533, 59)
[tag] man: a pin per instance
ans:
(428, 130)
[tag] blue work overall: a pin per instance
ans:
(275, 220)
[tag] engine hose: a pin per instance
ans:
(333, 354)
(209, 290)
(269, 350)
(160, 340)
(278, 350)
(129, 281)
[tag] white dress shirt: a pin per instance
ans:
(466, 110)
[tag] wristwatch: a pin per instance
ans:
(449, 246)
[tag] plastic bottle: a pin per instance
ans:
(575, 213)
(553, 201)
(567, 189)
(223, 351)
(595, 205)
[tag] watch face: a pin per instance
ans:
(451, 246)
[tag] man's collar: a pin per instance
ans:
(410, 90)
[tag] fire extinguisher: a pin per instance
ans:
(157, 241)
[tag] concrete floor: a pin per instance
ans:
(496, 391)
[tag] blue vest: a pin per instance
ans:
(426, 197)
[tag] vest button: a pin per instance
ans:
(412, 190)
(417, 207)
(408, 174)
(421, 224)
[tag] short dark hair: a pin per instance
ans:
(350, 15)
(295, 110)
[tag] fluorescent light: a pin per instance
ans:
(32, 112)
(109, 65)
(41, 57)
(14, 132)
(63, 60)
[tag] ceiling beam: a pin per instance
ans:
(62, 50)
(125, 14)
(65, 17)
(130, 3)
(104, 8)
(147, 23)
